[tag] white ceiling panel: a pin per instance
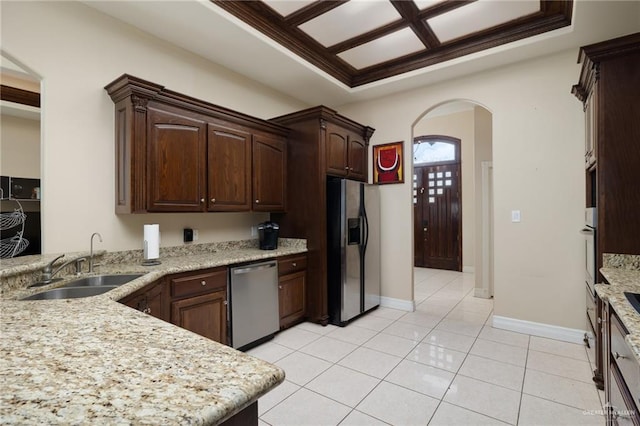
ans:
(287, 7)
(423, 4)
(349, 20)
(479, 16)
(392, 46)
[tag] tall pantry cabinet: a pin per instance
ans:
(321, 143)
(609, 88)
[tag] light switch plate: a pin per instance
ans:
(515, 216)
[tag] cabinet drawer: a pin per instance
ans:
(623, 357)
(292, 264)
(198, 283)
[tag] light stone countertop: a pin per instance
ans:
(623, 280)
(94, 360)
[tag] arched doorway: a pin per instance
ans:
(437, 202)
(471, 123)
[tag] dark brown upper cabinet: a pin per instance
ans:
(175, 153)
(269, 166)
(229, 156)
(176, 163)
(346, 153)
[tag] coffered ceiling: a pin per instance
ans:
(359, 42)
(344, 67)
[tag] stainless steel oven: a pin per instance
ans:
(589, 232)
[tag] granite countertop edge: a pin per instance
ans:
(214, 390)
(622, 281)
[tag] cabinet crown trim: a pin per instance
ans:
(127, 85)
(325, 114)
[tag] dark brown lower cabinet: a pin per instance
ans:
(205, 315)
(151, 299)
(292, 284)
(199, 302)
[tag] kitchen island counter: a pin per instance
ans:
(94, 360)
(621, 281)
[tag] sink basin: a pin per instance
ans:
(71, 292)
(634, 299)
(103, 280)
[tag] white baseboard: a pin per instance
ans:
(469, 269)
(401, 304)
(564, 334)
(481, 292)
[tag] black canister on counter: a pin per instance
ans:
(268, 235)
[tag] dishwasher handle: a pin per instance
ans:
(249, 269)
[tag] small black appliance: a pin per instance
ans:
(268, 234)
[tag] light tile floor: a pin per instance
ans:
(441, 365)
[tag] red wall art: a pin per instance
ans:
(388, 163)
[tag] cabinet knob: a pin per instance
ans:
(213, 200)
(225, 303)
(351, 169)
(280, 287)
(294, 264)
(203, 282)
(346, 168)
(257, 201)
(202, 200)
(618, 356)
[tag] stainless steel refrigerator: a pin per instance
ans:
(353, 249)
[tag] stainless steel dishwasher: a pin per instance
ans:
(254, 303)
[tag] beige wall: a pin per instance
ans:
(483, 152)
(458, 125)
(77, 51)
(20, 147)
(537, 146)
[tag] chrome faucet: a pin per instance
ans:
(91, 265)
(46, 277)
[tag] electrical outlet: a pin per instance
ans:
(195, 235)
(254, 231)
(515, 216)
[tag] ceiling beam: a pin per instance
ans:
(409, 12)
(311, 11)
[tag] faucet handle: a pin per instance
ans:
(49, 265)
(79, 262)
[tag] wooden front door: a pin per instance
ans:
(438, 216)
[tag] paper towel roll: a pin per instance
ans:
(151, 241)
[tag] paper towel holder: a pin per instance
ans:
(149, 262)
(151, 245)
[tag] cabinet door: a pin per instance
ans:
(229, 167)
(269, 174)
(205, 315)
(336, 148)
(151, 301)
(357, 158)
(291, 298)
(176, 162)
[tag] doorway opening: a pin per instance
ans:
(437, 188)
(463, 128)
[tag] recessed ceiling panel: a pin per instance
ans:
(423, 4)
(479, 16)
(349, 20)
(383, 49)
(362, 41)
(287, 7)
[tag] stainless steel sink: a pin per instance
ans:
(103, 280)
(71, 292)
(85, 287)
